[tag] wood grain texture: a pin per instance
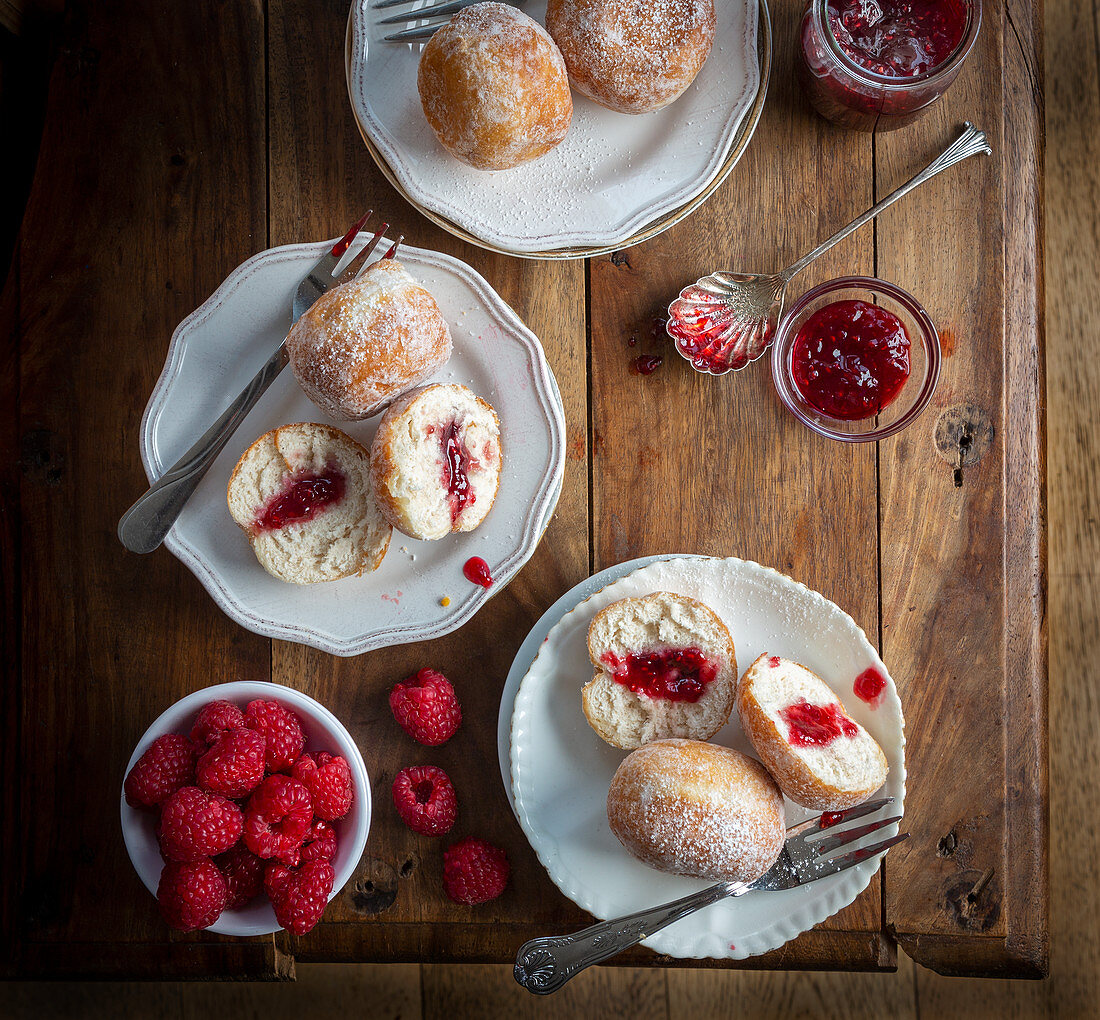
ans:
(108, 266)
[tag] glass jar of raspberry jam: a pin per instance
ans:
(870, 64)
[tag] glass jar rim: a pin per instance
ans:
(887, 82)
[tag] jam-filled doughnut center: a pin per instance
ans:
(674, 674)
(302, 498)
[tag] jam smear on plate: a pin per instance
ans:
(476, 571)
(870, 686)
(456, 464)
(850, 359)
(897, 38)
(675, 674)
(816, 725)
(302, 498)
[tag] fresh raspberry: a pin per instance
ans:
(234, 765)
(299, 896)
(474, 871)
(191, 896)
(425, 799)
(215, 721)
(196, 824)
(328, 780)
(164, 768)
(426, 708)
(244, 875)
(320, 843)
(277, 818)
(281, 728)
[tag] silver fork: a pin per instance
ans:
(143, 527)
(442, 10)
(544, 964)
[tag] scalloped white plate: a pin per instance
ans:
(611, 175)
(561, 770)
(216, 350)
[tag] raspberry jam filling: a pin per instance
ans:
(816, 725)
(456, 465)
(302, 498)
(675, 674)
(897, 38)
(870, 686)
(476, 571)
(850, 359)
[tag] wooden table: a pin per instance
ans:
(183, 138)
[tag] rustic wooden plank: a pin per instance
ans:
(492, 992)
(314, 193)
(132, 221)
(689, 463)
(962, 555)
(820, 995)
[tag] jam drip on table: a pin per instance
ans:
(675, 674)
(302, 498)
(870, 686)
(456, 466)
(897, 38)
(816, 725)
(850, 359)
(476, 571)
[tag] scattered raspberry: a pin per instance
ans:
(244, 875)
(425, 799)
(426, 708)
(196, 824)
(328, 779)
(281, 728)
(167, 766)
(215, 721)
(191, 896)
(234, 765)
(277, 818)
(300, 896)
(474, 871)
(320, 843)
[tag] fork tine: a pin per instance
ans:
(359, 263)
(817, 824)
(393, 247)
(830, 843)
(379, 5)
(830, 867)
(415, 34)
(348, 239)
(431, 11)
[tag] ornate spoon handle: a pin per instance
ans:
(543, 965)
(969, 143)
(143, 527)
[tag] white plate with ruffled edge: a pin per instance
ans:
(561, 770)
(612, 175)
(217, 349)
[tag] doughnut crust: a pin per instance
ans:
(367, 341)
(697, 809)
(632, 56)
(494, 88)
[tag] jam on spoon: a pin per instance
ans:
(301, 499)
(850, 359)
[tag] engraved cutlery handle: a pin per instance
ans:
(543, 965)
(143, 527)
(969, 143)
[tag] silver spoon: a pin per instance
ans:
(725, 321)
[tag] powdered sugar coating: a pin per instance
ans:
(367, 341)
(697, 809)
(494, 88)
(632, 56)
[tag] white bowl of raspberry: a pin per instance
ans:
(243, 799)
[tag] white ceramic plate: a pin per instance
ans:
(323, 732)
(561, 770)
(216, 350)
(611, 175)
